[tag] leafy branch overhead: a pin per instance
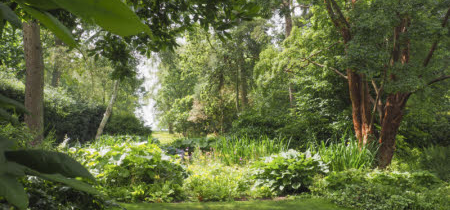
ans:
(157, 23)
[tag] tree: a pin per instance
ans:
(385, 57)
(34, 88)
(108, 110)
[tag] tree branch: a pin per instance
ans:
(434, 46)
(341, 16)
(323, 66)
(438, 79)
(327, 48)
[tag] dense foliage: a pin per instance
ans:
(384, 189)
(66, 116)
(133, 171)
(343, 100)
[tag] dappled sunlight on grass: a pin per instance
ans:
(314, 204)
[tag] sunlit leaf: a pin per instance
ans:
(112, 15)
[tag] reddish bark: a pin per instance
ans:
(359, 96)
(393, 114)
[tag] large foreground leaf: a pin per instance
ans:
(53, 24)
(6, 102)
(7, 14)
(112, 15)
(49, 162)
(75, 184)
(13, 191)
(42, 4)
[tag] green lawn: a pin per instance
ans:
(165, 137)
(313, 204)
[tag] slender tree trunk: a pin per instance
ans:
(56, 74)
(237, 90)
(243, 83)
(170, 128)
(287, 31)
(287, 17)
(291, 95)
(108, 110)
(34, 86)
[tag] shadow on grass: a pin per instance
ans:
(313, 204)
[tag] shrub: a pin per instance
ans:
(214, 181)
(131, 172)
(63, 114)
(383, 190)
(126, 124)
(288, 172)
(346, 154)
(437, 160)
(67, 116)
(191, 143)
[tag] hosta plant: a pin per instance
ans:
(134, 171)
(288, 172)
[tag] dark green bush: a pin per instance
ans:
(126, 124)
(288, 172)
(384, 190)
(65, 115)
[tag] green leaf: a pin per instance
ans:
(6, 102)
(112, 15)
(42, 4)
(13, 191)
(296, 185)
(49, 162)
(12, 168)
(4, 115)
(7, 14)
(75, 184)
(53, 25)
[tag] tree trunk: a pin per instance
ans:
(287, 17)
(34, 85)
(170, 128)
(393, 114)
(291, 95)
(361, 114)
(56, 74)
(287, 31)
(237, 90)
(108, 110)
(243, 83)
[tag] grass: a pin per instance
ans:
(165, 137)
(307, 204)
(238, 150)
(345, 154)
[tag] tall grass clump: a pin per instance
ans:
(346, 153)
(240, 150)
